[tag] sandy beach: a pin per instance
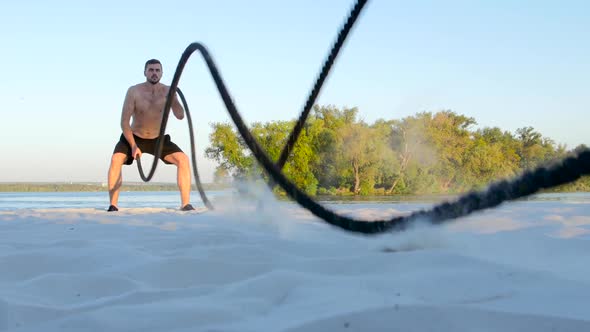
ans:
(522, 266)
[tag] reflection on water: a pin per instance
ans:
(171, 199)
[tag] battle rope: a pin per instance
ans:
(530, 182)
(344, 31)
(313, 95)
(160, 144)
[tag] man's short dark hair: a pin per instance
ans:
(152, 62)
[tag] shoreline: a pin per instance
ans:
(55, 187)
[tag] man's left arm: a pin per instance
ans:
(177, 108)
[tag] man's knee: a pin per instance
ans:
(177, 158)
(118, 159)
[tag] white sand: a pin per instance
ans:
(521, 267)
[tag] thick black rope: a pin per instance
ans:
(568, 170)
(313, 95)
(160, 144)
(193, 153)
(530, 182)
(344, 31)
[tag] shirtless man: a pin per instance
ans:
(144, 103)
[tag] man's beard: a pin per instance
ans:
(154, 82)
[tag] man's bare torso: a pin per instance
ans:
(148, 103)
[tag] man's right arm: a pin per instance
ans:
(128, 109)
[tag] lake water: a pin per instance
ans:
(60, 200)
(171, 199)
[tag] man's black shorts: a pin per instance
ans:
(146, 146)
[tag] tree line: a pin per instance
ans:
(428, 153)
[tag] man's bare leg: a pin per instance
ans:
(115, 177)
(183, 175)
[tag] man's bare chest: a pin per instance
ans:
(150, 103)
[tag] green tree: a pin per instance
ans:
(388, 165)
(449, 134)
(228, 149)
(410, 143)
(362, 152)
(272, 136)
(327, 127)
(492, 155)
(424, 153)
(535, 149)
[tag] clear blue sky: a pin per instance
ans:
(67, 65)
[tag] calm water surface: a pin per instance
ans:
(135, 199)
(171, 199)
